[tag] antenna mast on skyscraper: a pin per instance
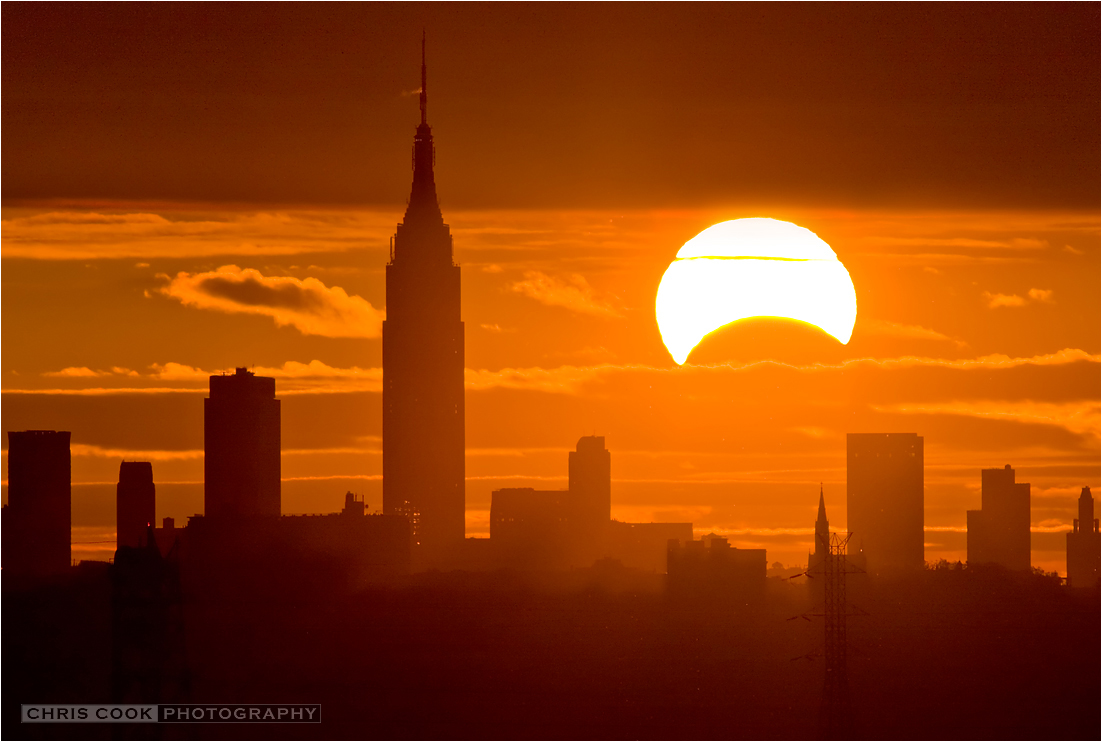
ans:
(424, 83)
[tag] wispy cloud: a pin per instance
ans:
(82, 449)
(563, 380)
(317, 377)
(573, 293)
(916, 332)
(83, 372)
(994, 301)
(77, 372)
(108, 391)
(307, 304)
(153, 231)
(569, 379)
(296, 377)
(172, 371)
(1078, 417)
(1016, 243)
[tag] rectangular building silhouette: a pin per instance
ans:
(342, 547)
(884, 500)
(135, 503)
(38, 516)
(590, 477)
(241, 447)
(998, 533)
(553, 529)
(644, 546)
(538, 528)
(713, 570)
(557, 528)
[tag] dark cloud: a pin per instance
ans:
(306, 304)
(253, 292)
(552, 105)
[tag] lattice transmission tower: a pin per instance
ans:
(835, 713)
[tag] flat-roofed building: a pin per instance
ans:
(241, 464)
(38, 516)
(998, 533)
(884, 500)
(711, 569)
(135, 503)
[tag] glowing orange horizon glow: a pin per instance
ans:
(753, 267)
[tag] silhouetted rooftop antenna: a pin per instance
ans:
(424, 83)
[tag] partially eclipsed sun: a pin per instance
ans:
(752, 268)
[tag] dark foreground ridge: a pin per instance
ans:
(602, 653)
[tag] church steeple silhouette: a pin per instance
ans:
(423, 410)
(821, 523)
(817, 558)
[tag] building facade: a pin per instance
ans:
(998, 533)
(241, 443)
(38, 516)
(135, 503)
(884, 500)
(423, 412)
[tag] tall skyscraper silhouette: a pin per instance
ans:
(38, 516)
(998, 533)
(590, 478)
(1084, 542)
(423, 436)
(884, 499)
(135, 503)
(241, 447)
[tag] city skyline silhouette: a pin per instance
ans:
(565, 318)
(454, 458)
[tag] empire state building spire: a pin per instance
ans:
(423, 407)
(423, 206)
(424, 85)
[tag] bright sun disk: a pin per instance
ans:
(755, 267)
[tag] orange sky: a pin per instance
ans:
(216, 188)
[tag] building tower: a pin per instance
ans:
(135, 503)
(423, 437)
(998, 533)
(241, 447)
(816, 560)
(1084, 545)
(39, 511)
(884, 499)
(590, 478)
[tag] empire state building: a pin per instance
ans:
(423, 437)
